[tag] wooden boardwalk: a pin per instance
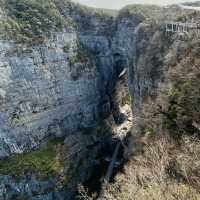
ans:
(180, 27)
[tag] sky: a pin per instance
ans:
(117, 4)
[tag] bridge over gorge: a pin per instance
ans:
(180, 27)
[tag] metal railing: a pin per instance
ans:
(180, 27)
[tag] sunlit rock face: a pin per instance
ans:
(42, 95)
(48, 91)
(56, 88)
(144, 45)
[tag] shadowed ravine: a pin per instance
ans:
(92, 95)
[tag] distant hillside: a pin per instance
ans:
(196, 3)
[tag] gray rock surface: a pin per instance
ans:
(46, 93)
(28, 187)
(39, 99)
(39, 96)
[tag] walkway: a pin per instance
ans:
(180, 27)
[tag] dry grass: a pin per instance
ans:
(164, 171)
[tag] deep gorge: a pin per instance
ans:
(61, 89)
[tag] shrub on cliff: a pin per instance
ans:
(167, 164)
(44, 162)
(164, 171)
(31, 20)
(164, 152)
(177, 107)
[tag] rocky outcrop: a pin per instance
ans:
(62, 85)
(28, 187)
(66, 84)
(77, 155)
(52, 90)
(147, 69)
(39, 96)
(140, 37)
(143, 44)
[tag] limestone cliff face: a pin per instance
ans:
(65, 84)
(147, 70)
(153, 52)
(148, 50)
(53, 90)
(40, 97)
(47, 93)
(143, 44)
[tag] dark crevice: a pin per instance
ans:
(94, 183)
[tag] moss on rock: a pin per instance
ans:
(44, 162)
(126, 100)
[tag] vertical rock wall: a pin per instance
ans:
(39, 97)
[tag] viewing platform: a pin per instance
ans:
(180, 27)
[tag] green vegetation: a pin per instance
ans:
(31, 20)
(84, 58)
(168, 135)
(96, 11)
(178, 106)
(148, 11)
(66, 48)
(181, 18)
(16, 120)
(44, 162)
(83, 55)
(164, 152)
(73, 60)
(22, 197)
(192, 15)
(126, 100)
